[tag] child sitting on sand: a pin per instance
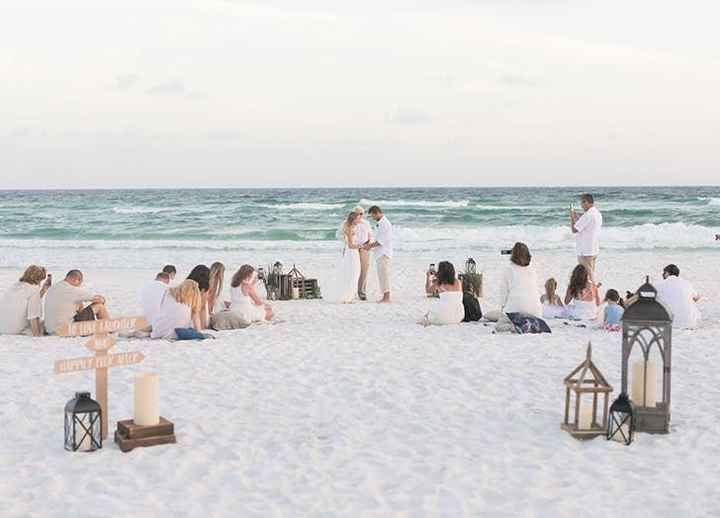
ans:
(551, 301)
(614, 310)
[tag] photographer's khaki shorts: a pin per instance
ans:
(588, 261)
(384, 264)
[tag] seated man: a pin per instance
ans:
(21, 304)
(67, 302)
(680, 297)
(151, 296)
(171, 271)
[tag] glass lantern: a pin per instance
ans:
(83, 423)
(470, 266)
(621, 424)
(647, 330)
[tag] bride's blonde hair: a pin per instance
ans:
(350, 220)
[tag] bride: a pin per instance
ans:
(348, 271)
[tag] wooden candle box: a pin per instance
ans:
(129, 435)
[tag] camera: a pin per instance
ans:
(505, 252)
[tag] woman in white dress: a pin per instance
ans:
(349, 266)
(449, 309)
(581, 298)
(216, 304)
(245, 301)
(180, 308)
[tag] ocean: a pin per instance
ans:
(105, 225)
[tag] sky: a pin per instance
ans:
(240, 93)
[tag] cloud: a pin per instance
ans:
(125, 82)
(409, 116)
(169, 88)
(516, 80)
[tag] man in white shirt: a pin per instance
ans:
(67, 302)
(383, 247)
(21, 304)
(587, 233)
(363, 236)
(152, 295)
(680, 297)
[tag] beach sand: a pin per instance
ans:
(355, 410)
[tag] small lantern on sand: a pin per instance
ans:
(583, 388)
(83, 418)
(621, 424)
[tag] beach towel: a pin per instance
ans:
(226, 320)
(526, 324)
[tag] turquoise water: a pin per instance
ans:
(313, 214)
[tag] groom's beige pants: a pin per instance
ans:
(383, 268)
(364, 267)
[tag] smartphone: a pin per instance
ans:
(432, 268)
(505, 252)
(49, 279)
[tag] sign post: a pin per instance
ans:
(100, 343)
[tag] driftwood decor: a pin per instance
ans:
(129, 435)
(583, 388)
(100, 343)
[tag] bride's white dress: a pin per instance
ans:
(348, 273)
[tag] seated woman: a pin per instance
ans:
(552, 304)
(201, 275)
(581, 298)
(245, 300)
(519, 285)
(21, 304)
(180, 309)
(216, 304)
(449, 309)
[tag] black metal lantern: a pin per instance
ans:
(83, 423)
(647, 323)
(621, 423)
(278, 268)
(470, 265)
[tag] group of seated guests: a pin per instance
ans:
(582, 302)
(192, 304)
(197, 302)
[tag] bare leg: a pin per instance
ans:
(101, 312)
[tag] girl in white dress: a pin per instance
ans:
(349, 266)
(552, 304)
(245, 300)
(449, 309)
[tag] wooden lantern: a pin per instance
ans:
(586, 383)
(647, 324)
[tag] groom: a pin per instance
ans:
(383, 248)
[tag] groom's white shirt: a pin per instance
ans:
(362, 233)
(384, 238)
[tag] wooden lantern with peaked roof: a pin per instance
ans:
(583, 388)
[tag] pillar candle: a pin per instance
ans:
(585, 420)
(147, 399)
(650, 383)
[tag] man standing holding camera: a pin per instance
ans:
(587, 233)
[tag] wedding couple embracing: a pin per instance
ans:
(358, 242)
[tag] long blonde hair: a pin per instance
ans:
(34, 274)
(550, 288)
(347, 225)
(187, 293)
(217, 277)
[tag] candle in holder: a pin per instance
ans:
(650, 383)
(585, 419)
(147, 399)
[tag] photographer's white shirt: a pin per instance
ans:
(587, 239)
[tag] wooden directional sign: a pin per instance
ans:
(97, 327)
(100, 343)
(98, 362)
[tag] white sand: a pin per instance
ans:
(357, 411)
